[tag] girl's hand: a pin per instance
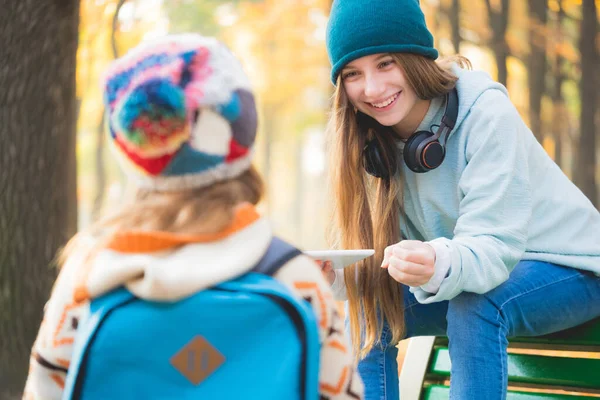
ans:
(327, 269)
(410, 262)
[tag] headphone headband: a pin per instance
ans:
(451, 111)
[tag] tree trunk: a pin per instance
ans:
(498, 18)
(113, 30)
(38, 204)
(434, 26)
(100, 167)
(585, 164)
(538, 16)
(98, 204)
(455, 24)
(559, 114)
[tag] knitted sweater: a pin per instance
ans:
(168, 267)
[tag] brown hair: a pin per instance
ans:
(196, 211)
(366, 210)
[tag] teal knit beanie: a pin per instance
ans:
(359, 28)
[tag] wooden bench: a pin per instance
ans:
(561, 366)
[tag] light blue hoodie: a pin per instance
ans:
(498, 198)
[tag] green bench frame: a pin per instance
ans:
(426, 368)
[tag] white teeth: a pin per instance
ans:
(386, 102)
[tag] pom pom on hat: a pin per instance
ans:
(180, 113)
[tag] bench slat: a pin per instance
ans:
(540, 370)
(587, 334)
(440, 392)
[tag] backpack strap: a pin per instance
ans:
(278, 253)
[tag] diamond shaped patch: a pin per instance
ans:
(197, 360)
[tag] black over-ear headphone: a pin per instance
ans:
(422, 151)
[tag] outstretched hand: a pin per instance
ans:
(410, 262)
(327, 269)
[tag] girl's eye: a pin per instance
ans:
(386, 63)
(349, 74)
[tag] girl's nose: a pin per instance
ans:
(373, 87)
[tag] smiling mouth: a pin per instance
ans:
(386, 102)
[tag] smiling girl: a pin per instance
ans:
(478, 234)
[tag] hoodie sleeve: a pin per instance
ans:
(496, 207)
(338, 376)
(53, 347)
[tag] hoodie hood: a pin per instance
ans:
(471, 85)
(167, 266)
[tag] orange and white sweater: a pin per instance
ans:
(168, 267)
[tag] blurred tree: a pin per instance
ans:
(100, 142)
(559, 112)
(474, 30)
(280, 42)
(113, 30)
(38, 207)
(562, 79)
(443, 20)
(455, 25)
(585, 166)
(100, 188)
(107, 28)
(538, 16)
(498, 11)
(200, 16)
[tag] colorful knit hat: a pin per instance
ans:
(358, 28)
(180, 113)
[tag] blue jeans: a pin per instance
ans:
(537, 299)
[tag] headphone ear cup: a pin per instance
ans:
(411, 158)
(372, 161)
(432, 155)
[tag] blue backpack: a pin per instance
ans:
(248, 338)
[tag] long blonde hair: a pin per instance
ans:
(196, 211)
(366, 210)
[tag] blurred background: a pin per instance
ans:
(534, 47)
(54, 53)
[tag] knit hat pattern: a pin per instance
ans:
(358, 28)
(180, 113)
